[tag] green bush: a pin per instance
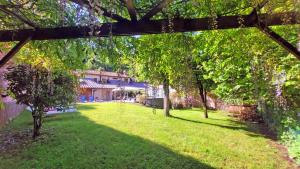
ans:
(290, 136)
(294, 148)
(141, 98)
(286, 125)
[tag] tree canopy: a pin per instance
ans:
(36, 15)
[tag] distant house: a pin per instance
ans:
(107, 86)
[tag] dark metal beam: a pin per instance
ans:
(106, 13)
(157, 8)
(131, 10)
(148, 27)
(13, 51)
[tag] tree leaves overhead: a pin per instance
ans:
(166, 52)
(53, 13)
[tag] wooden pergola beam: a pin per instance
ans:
(106, 13)
(270, 33)
(148, 27)
(13, 51)
(157, 8)
(262, 4)
(278, 39)
(131, 9)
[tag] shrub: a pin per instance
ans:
(39, 89)
(178, 102)
(250, 116)
(141, 99)
(294, 147)
(290, 136)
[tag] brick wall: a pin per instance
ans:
(218, 104)
(237, 109)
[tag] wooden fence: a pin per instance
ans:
(10, 111)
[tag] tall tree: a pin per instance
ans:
(202, 82)
(150, 63)
(157, 59)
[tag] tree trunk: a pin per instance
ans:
(166, 97)
(37, 124)
(205, 104)
(202, 93)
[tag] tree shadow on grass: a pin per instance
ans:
(60, 117)
(87, 107)
(82, 143)
(253, 130)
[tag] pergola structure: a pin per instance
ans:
(146, 25)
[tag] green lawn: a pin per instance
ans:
(119, 135)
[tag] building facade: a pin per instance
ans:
(106, 86)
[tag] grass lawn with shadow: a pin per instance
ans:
(124, 135)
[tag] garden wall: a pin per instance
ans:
(10, 111)
(195, 101)
(237, 109)
(155, 102)
(215, 103)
